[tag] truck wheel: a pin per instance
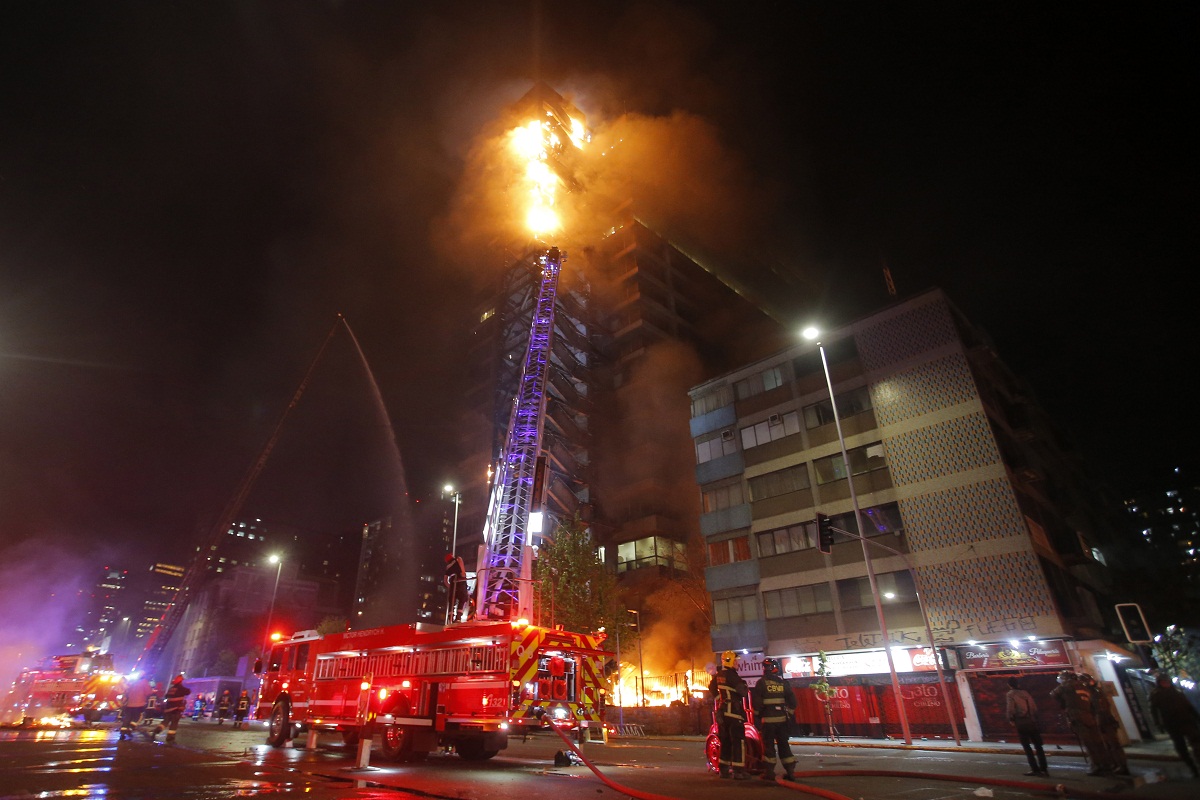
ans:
(473, 750)
(393, 743)
(279, 727)
(350, 737)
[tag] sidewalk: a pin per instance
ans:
(1161, 750)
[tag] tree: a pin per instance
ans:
(824, 692)
(1178, 651)
(573, 588)
(332, 624)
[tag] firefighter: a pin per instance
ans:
(456, 582)
(243, 708)
(137, 697)
(729, 692)
(173, 707)
(774, 706)
(1076, 702)
(223, 707)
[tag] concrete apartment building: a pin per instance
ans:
(958, 475)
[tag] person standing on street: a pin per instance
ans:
(1076, 702)
(174, 705)
(243, 708)
(1178, 717)
(729, 693)
(223, 707)
(1022, 713)
(774, 707)
(1109, 725)
(137, 696)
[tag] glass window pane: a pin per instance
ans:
(748, 438)
(721, 612)
(791, 606)
(749, 608)
(741, 548)
(771, 606)
(791, 423)
(766, 544)
(762, 432)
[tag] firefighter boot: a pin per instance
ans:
(768, 773)
(741, 775)
(725, 772)
(789, 773)
(170, 737)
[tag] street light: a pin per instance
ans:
(641, 668)
(812, 334)
(275, 559)
(457, 495)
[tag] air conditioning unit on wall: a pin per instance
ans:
(727, 436)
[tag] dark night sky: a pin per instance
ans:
(189, 193)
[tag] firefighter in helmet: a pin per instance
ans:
(774, 707)
(729, 695)
(173, 707)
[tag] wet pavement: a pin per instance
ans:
(216, 762)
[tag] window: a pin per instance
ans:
(797, 600)
(782, 481)
(729, 551)
(717, 398)
(715, 445)
(775, 427)
(652, 551)
(852, 402)
(723, 497)
(787, 540)
(856, 592)
(757, 384)
(732, 610)
(862, 460)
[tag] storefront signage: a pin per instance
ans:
(1014, 655)
(863, 662)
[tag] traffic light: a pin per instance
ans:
(824, 534)
(1134, 623)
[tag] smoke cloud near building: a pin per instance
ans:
(44, 589)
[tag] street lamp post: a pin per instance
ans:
(812, 334)
(275, 559)
(641, 664)
(457, 496)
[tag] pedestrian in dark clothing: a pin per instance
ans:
(173, 707)
(1178, 717)
(223, 707)
(1076, 702)
(774, 706)
(243, 708)
(729, 691)
(1022, 713)
(1110, 726)
(456, 582)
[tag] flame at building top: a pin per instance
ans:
(545, 143)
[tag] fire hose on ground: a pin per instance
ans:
(1056, 790)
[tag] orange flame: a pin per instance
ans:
(534, 143)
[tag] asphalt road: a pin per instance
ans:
(213, 762)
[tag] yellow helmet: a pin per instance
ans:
(729, 659)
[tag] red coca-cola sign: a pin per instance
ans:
(1015, 655)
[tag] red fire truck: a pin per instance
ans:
(61, 687)
(466, 686)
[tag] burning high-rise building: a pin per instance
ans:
(636, 323)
